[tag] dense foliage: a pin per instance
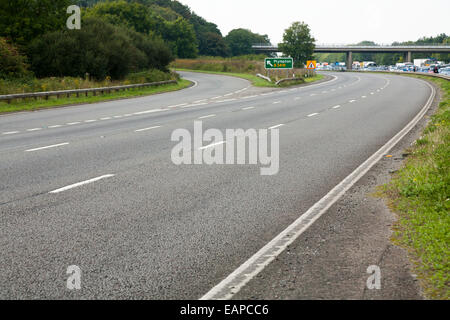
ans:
(12, 63)
(240, 41)
(99, 49)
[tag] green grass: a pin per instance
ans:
(30, 104)
(256, 81)
(420, 194)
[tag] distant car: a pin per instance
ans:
(445, 71)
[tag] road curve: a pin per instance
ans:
(94, 185)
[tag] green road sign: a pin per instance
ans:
(279, 63)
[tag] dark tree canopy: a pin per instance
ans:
(240, 41)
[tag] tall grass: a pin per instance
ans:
(236, 65)
(420, 194)
(31, 84)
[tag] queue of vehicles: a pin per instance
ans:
(423, 66)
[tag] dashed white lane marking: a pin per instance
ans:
(218, 97)
(228, 94)
(248, 108)
(297, 98)
(276, 102)
(195, 105)
(177, 105)
(372, 93)
(363, 97)
(248, 97)
(82, 183)
(105, 118)
(200, 101)
(312, 94)
(148, 111)
(10, 132)
(351, 101)
(212, 145)
(47, 147)
(312, 114)
(336, 107)
(277, 126)
(227, 100)
(34, 129)
(118, 117)
(208, 116)
(128, 115)
(73, 123)
(88, 121)
(267, 94)
(55, 126)
(236, 280)
(146, 129)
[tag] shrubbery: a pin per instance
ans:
(99, 49)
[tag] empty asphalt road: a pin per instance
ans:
(94, 185)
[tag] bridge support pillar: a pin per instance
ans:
(408, 57)
(349, 62)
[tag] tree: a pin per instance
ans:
(298, 43)
(23, 20)
(212, 44)
(181, 38)
(240, 41)
(131, 15)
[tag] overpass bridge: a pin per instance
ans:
(350, 49)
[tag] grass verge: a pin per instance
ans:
(420, 195)
(256, 81)
(30, 105)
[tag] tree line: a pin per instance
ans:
(387, 59)
(117, 37)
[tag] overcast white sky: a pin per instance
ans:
(331, 21)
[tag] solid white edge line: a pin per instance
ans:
(48, 147)
(82, 183)
(232, 284)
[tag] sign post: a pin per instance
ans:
(311, 65)
(278, 63)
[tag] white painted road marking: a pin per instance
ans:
(146, 129)
(47, 147)
(10, 132)
(248, 108)
(34, 129)
(208, 116)
(88, 121)
(312, 114)
(148, 111)
(72, 123)
(351, 101)
(55, 126)
(336, 107)
(82, 183)
(232, 284)
(177, 105)
(212, 145)
(277, 126)
(277, 102)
